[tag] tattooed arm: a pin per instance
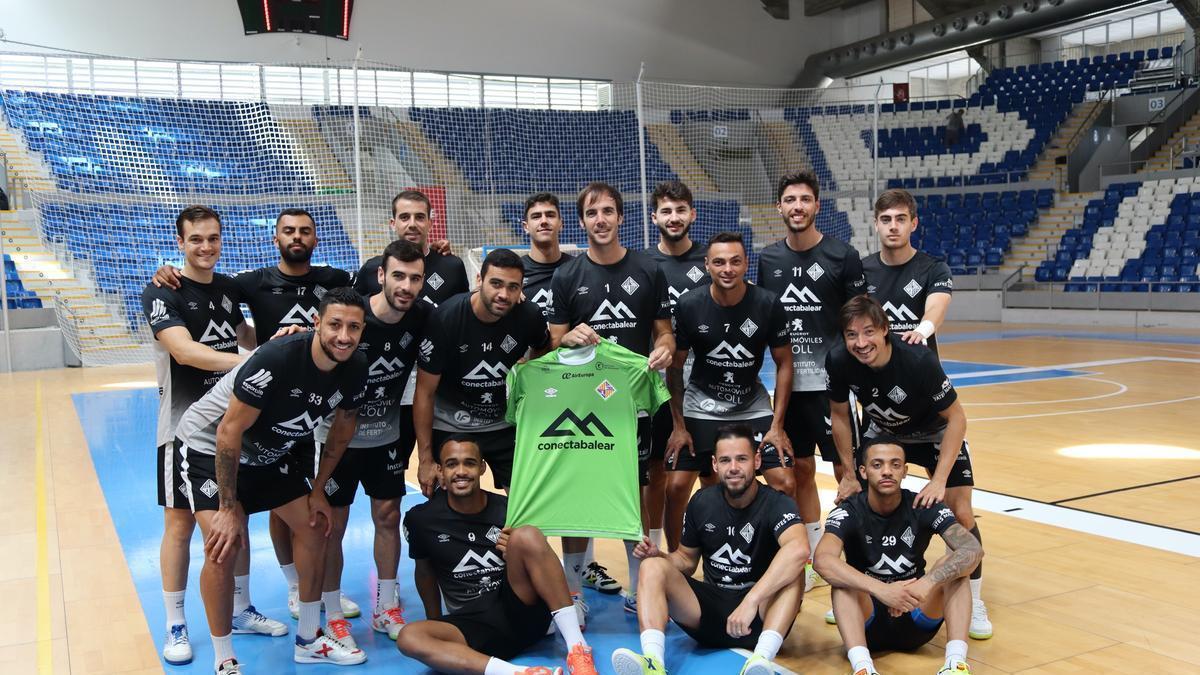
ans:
(964, 556)
(227, 533)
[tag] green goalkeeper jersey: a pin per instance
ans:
(575, 468)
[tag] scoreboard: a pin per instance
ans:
(318, 17)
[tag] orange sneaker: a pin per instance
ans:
(579, 661)
(540, 670)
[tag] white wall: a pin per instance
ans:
(718, 41)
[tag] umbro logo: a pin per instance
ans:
(304, 316)
(569, 424)
(901, 313)
(486, 371)
(728, 351)
(607, 311)
(799, 296)
(216, 332)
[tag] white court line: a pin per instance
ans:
(1128, 406)
(1073, 366)
(1121, 389)
(1095, 524)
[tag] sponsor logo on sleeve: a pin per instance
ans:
(257, 383)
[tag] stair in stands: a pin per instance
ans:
(678, 156)
(1161, 159)
(1059, 144)
(92, 322)
(445, 171)
(1052, 223)
(24, 167)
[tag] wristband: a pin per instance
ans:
(925, 328)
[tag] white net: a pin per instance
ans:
(107, 165)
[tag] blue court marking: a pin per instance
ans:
(960, 374)
(119, 428)
(1115, 336)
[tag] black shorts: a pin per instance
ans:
(704, 437)
(501, 626)
(808, 428)
(379, 469)
(259, 488)
(926, 455)
(644, 441)
(716, 604)
(661, 426)
(497, 448)
(899, 633)
(172, 491)
(307, 453)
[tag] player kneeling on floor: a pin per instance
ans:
(882, 596)
(753, 561)
(500, 585)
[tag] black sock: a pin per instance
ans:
(978, 573)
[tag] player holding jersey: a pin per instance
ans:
(197, 330)
(682, 263)
(813, 275)
(727, 326)
(543, 223)
(470, 344)
(913, 287)
(394, 324)
(235, 455)
(610, 293)
(753, 564)
(499, 584)
(882, 595)
(904, 392)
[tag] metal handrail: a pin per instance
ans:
(1077, 137)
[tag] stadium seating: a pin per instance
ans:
(18, 296)
(1138, 237)
(123, 145)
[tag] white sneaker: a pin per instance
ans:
(250, 621)
(811, 578)
(229, 667)
(981, 626)
(294, 601)
(757, 664)
(324, 649)
(339, 629)
(177, 649)
(350, 608)
(389, 621)
(581, 609)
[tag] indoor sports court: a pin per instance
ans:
(1065, 206)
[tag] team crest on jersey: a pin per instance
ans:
(435, 281)
(749, 328)
(508, 344)
(493, 534)
(319, 291)
(747, 532)
(908, 538)
(335, 399)
(606, 389)
(226, 303)
(897, 394)
(695, 274)
(630, 285)
(815, 272)
(406, 340)
(912, 288)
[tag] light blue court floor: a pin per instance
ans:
(119, 427)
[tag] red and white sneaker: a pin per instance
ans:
(540, 670)
(580, 662)
(325, 649)
(339, 629)
(389, 621)
(229, 667)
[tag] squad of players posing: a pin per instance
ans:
(608, 293)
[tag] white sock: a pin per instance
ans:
(241, 594)
(656, 537)
(976, 589)
(310, 620)
(814, 536)
(573, 568)
(222, 649)
(589, 554)
(956, 650)
(290, 573)
(385, 594)
(634, 563)
(173, 602)
(567, 621)
(654, 643)
(860, 658)
(768, 645)
(497, 667)
(333, 604)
